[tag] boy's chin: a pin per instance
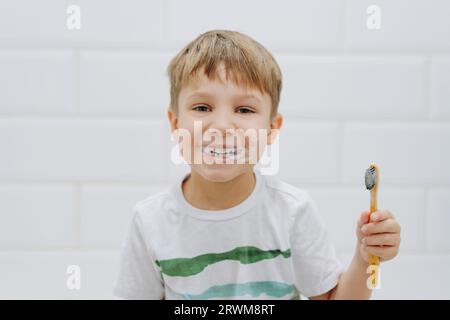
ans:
(222, 172)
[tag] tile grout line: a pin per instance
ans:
(78, 215)
(76, 80)
(344, 27)
(165, 23)
(425, 219)
(428, 86)
(340, 151)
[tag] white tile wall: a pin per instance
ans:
(44, 274)
(38, 215)
(133, 83)
(412, 276)
(372, 87)
(84, 135)
(298, 161)
(438, 202)
(104, 23)
(282, 24)
(415, 26)
(409, 153)
(101, 203)
(83, 149)
(440, 82)
(37, 81)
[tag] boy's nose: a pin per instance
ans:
(221, 122)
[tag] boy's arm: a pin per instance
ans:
(352, 283)
(381, 237)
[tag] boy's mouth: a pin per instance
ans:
(224, 153)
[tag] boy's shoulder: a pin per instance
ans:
(156, 202)
(297, 203)
(287, 191)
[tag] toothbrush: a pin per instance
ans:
(372, 180)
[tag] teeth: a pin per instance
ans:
(221, 152)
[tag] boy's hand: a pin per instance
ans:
(379, 237)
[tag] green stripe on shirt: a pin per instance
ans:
(185, 267)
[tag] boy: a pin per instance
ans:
(225, 231)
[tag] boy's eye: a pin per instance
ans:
(201, 108)
(245, 110)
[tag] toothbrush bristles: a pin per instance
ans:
(370, 178)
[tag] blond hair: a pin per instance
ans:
(250, 64)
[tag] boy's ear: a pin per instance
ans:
(275, 125)
(173, 120)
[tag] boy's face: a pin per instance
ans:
(221, 108)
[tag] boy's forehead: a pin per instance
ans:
(200, 84)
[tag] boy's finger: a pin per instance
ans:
(382, 239)
(380, 215)
(386, 226)
(363, 219)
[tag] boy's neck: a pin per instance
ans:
(209, 195)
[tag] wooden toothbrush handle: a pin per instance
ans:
(374, 260)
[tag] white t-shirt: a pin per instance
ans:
(273, 245)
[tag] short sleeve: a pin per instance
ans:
(138, 276)
(315, 264)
